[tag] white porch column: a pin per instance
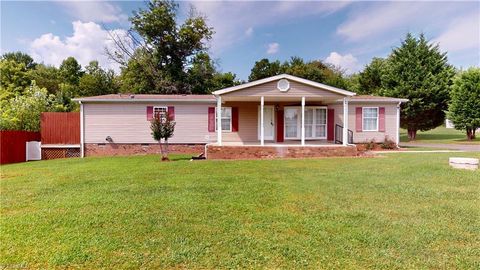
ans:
(345, 121)
(82, 142)
(262, 127)
(303, 122)
(398, 124)
(219, 120)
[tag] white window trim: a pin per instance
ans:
(299, 123)
(223, 117)
(160, 107)
(363, 117)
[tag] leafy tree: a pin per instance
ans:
(13, 78)
(22, 112)
(224, 80)
(314, 70)
(162, 128)
(46, 77)
(370, 79)
(20, 57)
(418, 71)
(71, 71)
(157, 53)
(264, 69)
(97, 81)
(464, 107)
(204, 78)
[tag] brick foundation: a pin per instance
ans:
(271, 152)
(126, 149)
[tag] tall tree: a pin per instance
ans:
(464, 107)
(97, 81)
(158, 50)
(418, 71)
(315, 70)
(370, 79)
(46, 77)
(20, 57)
(71, 71)
(264, 69)
(14, 78)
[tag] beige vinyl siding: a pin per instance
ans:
(247, 122)
(296, 89)
(361, 137)
(127, 122)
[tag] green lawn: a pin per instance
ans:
(406, 211)
(441, 135)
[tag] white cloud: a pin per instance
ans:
(392, 18)
(348, 62)
(229, 18)
(87, 43)
(94, 11)
(249, 32)
(273, 48)
(463, 33)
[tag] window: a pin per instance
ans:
(321, 123)
(226, 119)
(160, 112)
(370, 118)
(315, 122)
(291, 123)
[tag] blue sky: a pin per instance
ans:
(347, 34)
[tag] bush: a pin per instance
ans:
(370, 145)
(388, 144)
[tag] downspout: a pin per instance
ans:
(82, 151)
(398, 123)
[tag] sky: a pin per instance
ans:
(346, 34)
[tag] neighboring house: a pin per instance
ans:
(449, 123)
(300, 118)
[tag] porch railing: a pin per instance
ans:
(339, 134)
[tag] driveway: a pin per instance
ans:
(462, 147)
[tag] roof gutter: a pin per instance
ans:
(142, 100)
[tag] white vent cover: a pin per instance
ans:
(283, 85)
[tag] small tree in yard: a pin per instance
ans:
(162, 128)
(464, 108)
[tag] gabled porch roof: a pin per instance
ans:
(319, 86)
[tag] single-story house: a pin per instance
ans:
(283, 115)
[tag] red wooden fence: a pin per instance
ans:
(60, 128)
(12, 145)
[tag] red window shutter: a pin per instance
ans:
(171, 112)
(280, 130)
(149, 113)
(234, 119)
(381, 119)
(358, 119)
(330, 124)
(211, 119)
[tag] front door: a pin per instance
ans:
(268, 122)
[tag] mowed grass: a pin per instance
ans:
(403, 211)
(440, 135)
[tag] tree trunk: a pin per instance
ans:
(161, 150)
(470, 134)
(474, 136)
(165, 154)
(412, 134)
